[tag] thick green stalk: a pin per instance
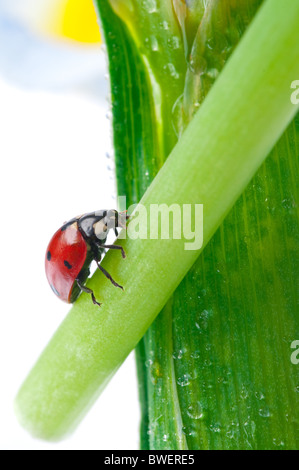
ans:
(90, 346)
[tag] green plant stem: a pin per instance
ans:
(90, 345)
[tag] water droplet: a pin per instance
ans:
(215, 427)
(170, 68)
(278, 442)
(195, 355)
(231, 431)
(154, 44)
(201, 321)
(207, 363)
(198, 66)
(244, 393)
(179, 353)
(184, 380)
(264, 412)
(210, 43)
(213, 73)
(164, 25)
(288, 203)
(150, 5)
(188, 431)
(174, 42)
(195, 411)
(249, 428)
(259, 395)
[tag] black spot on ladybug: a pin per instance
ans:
(63, 228)
(54, 290)
(67, 264)
(49, 256)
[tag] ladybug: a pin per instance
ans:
(74, 246)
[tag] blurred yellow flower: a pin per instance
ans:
(69, 19)
(72, 19)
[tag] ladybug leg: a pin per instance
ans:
(115, 247)
(88, 291)
(108, 275)
(116, 232)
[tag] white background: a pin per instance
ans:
(53, 167)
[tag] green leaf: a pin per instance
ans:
(235, 316)
(154, 29)
(212, 43)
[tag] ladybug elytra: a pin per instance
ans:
(74, 246)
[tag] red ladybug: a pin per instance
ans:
(74, 246)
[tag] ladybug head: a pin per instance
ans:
(95, 225)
